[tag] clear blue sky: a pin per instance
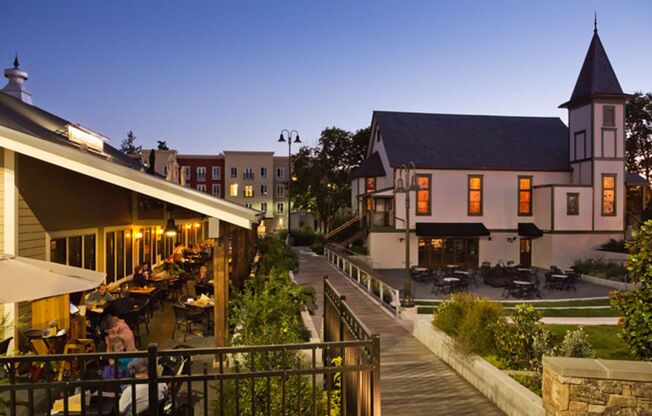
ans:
(209, 76)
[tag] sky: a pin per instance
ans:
(208, 76)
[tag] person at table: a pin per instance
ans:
(177, 253)
(115, 327)
(125, 407)
(100, 296)
(116, 344)
(139, 278)
(204, 277)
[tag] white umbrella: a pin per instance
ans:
(25, 279)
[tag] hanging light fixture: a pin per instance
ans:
(171, 228)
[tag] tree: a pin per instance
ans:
(323, 173)
(638, 127)
(162, 145)
(636, 304)
(128, 145)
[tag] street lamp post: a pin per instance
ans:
(410, 185)
(282, 139)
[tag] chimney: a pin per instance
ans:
(15, 86)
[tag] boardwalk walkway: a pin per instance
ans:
(414, 381)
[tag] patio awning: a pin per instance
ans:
(452, 229)
(24, 279)
(528, 229)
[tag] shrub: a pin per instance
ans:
(275, 254)
(575, 344)
(318, 248)
(471, 321)
(616, 246)
(359, 249)
(522, 343)
(636, 304)
(306, 236)
(601, 268)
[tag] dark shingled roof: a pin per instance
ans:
(597, 77)
(370, 167)
(635, 179)
(34, 121)
(451, 141)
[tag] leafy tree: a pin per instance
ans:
(128, 145)
(323, 173)
(636, 304)
(162, 145)
(638, 127)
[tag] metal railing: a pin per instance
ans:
(364, 277)
(266, 380)
(358, 219)
(360, 392)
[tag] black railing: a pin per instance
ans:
(268, 380)
(360, 392)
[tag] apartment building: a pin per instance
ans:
(204, 173)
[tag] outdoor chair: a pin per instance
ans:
(159, 295)
(511, 289)
(438, 284)
(176, 287)
(569, 283)
(132, 318)
(550, 282)
(143, 306)
(185, 317)
(201, 289)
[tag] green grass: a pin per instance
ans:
(564, 303)
(604, 339)
(552, 313)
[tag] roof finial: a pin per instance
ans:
(595, 23)
(16, 63)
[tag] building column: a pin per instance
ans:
(10, 236)
(221, 286)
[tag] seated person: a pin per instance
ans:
(116, 327)
(139, 278)
(116, 344)
(100, 296)
(139, 367)
(204, 277)
(177, 253)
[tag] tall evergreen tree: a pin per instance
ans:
(638, 127)
(128, 145)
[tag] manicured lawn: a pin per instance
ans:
(574, 313)
(604, 339)
(564, 303)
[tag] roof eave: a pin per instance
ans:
(598, 96)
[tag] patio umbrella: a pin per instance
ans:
(23, 279)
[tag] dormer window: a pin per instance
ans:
(609, 116)
(86, 138)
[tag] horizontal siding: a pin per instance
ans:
(2, 201)
(31, 234)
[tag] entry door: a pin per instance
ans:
(526, 252)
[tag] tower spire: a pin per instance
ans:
(16, 63)
(595, 23)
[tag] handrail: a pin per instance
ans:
(363, 276)
(357, 218)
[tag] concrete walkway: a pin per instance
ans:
(414, 381)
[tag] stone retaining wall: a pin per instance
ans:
(582, 386)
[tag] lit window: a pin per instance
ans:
(572, 203)
(608, 194)
(234, 172)
(263, 206)
(201, 173)
(233, 189)
(279, 207)
(371, 184)
(249, 191)
(216, 190)
(475, 195)
(216, 172)
(524, 195)
(609, 116)
(423, 195)
(201, 188)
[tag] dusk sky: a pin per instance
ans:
(209, 76)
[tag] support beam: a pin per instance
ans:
(10, 235)
(221, 286)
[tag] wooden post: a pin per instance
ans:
(221, 287)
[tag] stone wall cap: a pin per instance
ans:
(603, 369)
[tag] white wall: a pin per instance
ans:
(573, 222)
(387, 250)
(499, 248)
(566, 248)
(542, 205)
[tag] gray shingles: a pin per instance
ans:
(453, 141)
(369, 168)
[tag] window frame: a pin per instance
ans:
(615, 198)
(468, 195)
(248, 174)
(605, 109)
(263, 172)
(234, 172)
(577, 205)
(416, 205)
(201, 187)
(263, 207)
(280, 208)
(201, 173)
(263, 189)
(280, 173)
(248, 191)
(233, 187)
(370, 180)
(518, 195)
(281, 188)
(217, 186)
(218, 170)
(186, 172)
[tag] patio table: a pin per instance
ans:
(464, 272)
(142, 290)
(522, 282)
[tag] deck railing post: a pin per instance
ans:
(375, 382)
(153, 381)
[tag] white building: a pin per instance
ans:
(524, 189)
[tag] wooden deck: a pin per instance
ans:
(414, 381)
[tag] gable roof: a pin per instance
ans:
(597, 76)
(370, 167)
(38, 134)
(454, 141)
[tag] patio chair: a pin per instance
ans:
(438, 284)
(185, 317)
(569, 282)
(132, 318)
(511, 289)
(550, 282)
(176, 288)
(201, 289)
